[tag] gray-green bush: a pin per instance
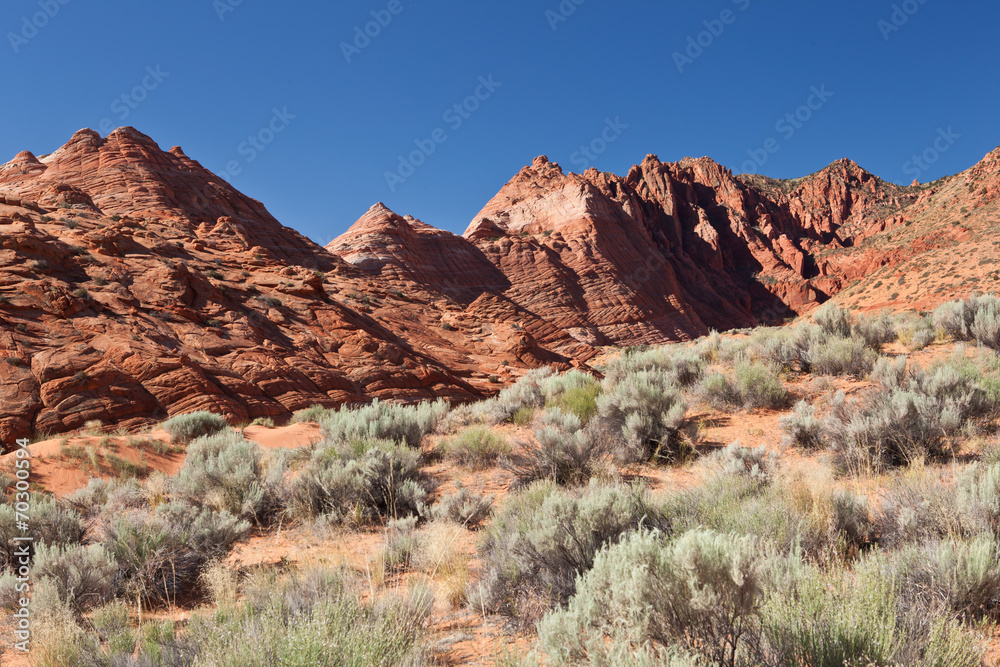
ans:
(161, 553)
(52, 523)
(463, 507)
(360, 481)
(702, 589)
(544, 538)
(564, 451)
(802, 428)
(187, 427)
(383, 421)
(313, 617)
(753, 385)
(646, 409)
(83, 576)
(840, 617)
(227, 472)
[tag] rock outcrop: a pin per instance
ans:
(135, 284)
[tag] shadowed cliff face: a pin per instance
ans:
(135, 284)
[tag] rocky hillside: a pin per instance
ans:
(135, 284)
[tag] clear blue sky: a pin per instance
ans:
(226, 65)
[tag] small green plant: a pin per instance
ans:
(81, 293)
(448, 326)
(477, 446)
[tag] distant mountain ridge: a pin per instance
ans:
(135, 283)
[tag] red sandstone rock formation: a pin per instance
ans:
(135, 284)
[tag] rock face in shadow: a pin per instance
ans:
(135, 284)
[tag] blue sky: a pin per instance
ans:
(885, 80)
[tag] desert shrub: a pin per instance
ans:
(313, 617)
(226, 472)
(101, 494)
(476, 446)
(802, 428)
(981, 369)
(976, 318)
(463, 507)
(83, 576)
(785, 347)
(577, 393)
(839, 617)
(563, 451)
(920, 507)
(527, 393)
(362, 481)
(876, 331)
(916, 418)
(978, 496)
(161, 554)
(52, 522)
(401, 544)
(834, 321)
(544, 538)
(753, 385)
(310, 618)
(754, 463)
(921, 339)
(841, 356)
(311, 414)
(703, 589)
(962, 574)
(646, 409)
(553, 386)
(185, 428)
(914, 331)
(686, 365)
(488, 412)
(790, 514)
(957, 318)
(384, 421)
(266, 422)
